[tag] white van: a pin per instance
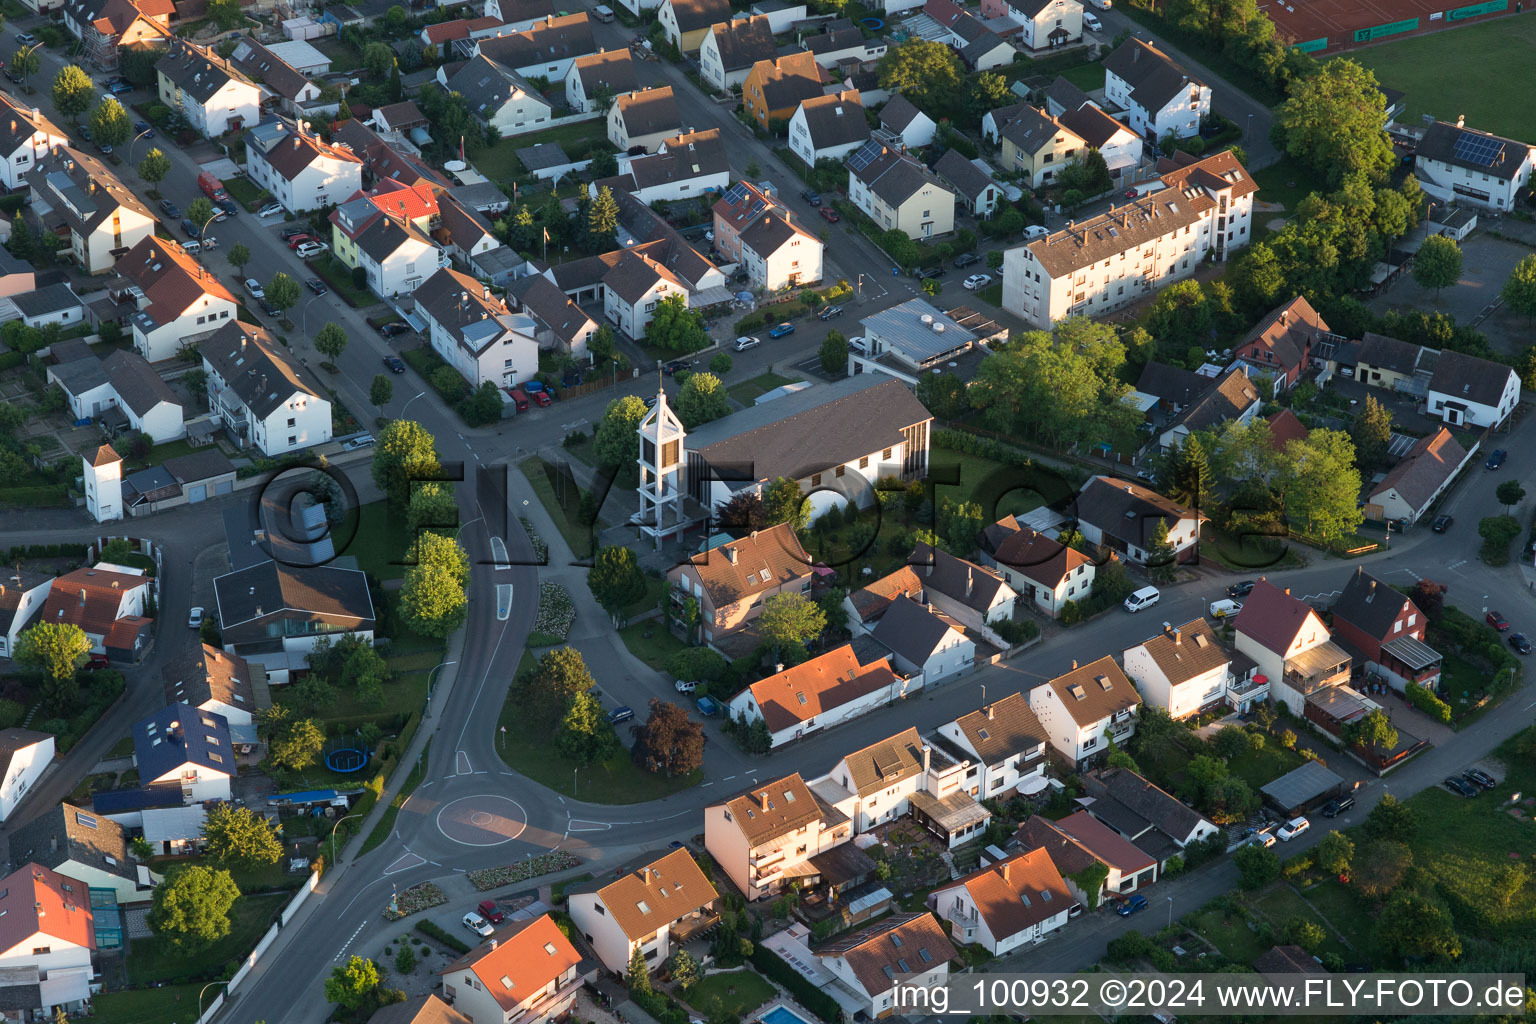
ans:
(1146, 597)
(1091, 22)
(1102, 5)
(1225, 608)
(602, 13)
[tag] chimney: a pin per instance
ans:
(645, 875)
(991, 712)
(970, 582)
(1178, 637)
(1135, 54)
(732, 554)
(927, 755)
(298, 142)
(53, 844)
(778, 668)
(763, 799)
(492, 942)
(1074, 664)
(1004, 868)
(1285, 315)
(1461, 120)
(82, 597)
(1287, 591)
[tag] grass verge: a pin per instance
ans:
(651, 642)
(386, 823)
(156, 959)
(544, 477)
(748, 391)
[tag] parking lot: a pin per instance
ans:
(1486, 265)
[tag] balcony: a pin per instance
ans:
(697, 923)
(548, 1005)
(1323, 666)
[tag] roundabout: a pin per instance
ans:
(486, 819)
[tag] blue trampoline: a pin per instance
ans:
(873, 24)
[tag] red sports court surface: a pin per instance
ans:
(1317, 25)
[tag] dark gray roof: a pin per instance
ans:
(1469, 379)
(1389, 353)
(613, 70)
(892, 175)
(1370, 605)
(768, 233)
(384, 236)
(911, 630)
(744, 41)
(972, 585)
(648, 111)
(545, 302)
(483, 196)
(275, 73)
(181, 734)
(206, 674)
(19, 123)
(21, 989)
(837, 35)
(551, 40)
(693, 155)
(1301, 785)
(1066, 95)
(634, 276)
(487, 86)
(260, 371)
(897, 113)
(1482, 152)
(1091, 124)
(1226, 399)
(1031, 130)
(807, 432)
(1172, 384)
(835, 120)
(1131, 805)
(472, 314)
(199, 465)
(198, 72)
(65, 177)
(67, 833)
(1153, 76)
(267, 588)
(692, 15)
(12, 740)
(54, 298)
(1129, 511)
(968, 179)
(80, 375)
(136, 382)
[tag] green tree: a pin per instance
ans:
(1320, 484)
(1438, 263)
(1191, 478)
(1497, 533)
(1509, 494)
(1335, 853)
(587, 509)
(238, 837)
(21, 244)
(432, 598)
(927, 73)
(153, 169)
(199, 211)
(1519, 292)
(686, 970)
(784, 502)
(331, 342)
(282, 292)
(834, 353)
(1372, 433)
(73, 91)
(378, 59)
(239, 256)
(790, 620)
(960, 524)
(405, 960)
(942, 394)
(1335, 123)
(225, 13)
(1257, 866)
(669, 743)
(191, 907)
(353, 983)
(404, 452)
(720, 364)
(547, 692)
(603, 213)
(296, 744)
(1413, 925)
(675, 327)
(1306, 933)
(55, 648)
(1374, 732)
(615, 579)
(381, 391)
(584, 734)
(26, 63)
(639, 973)
(701, 400)
(614, 440)
(110, 124)
(1382, 866)
(432, 505)
(602, 346)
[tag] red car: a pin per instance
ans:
(298, 240)
(540, 398)
(830, 215)
(1497, 621)
(98, 661)
(491, 912)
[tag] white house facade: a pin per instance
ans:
(263, 395)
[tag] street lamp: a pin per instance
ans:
(433, 673)
(1170, 898)
(408, 402)
(333, 835)
(304, 316)
(1248, 132)
(135, 142)
(205, 988)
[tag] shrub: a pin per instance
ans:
(1017, 631)
(808, 994)
(453, 942)
(1425, 700)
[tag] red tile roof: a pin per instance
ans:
(1284, 428)
(89, 598)
(410, 202)
(1016, 893)
(801, 693)
(1105, 843)
(1271, 617)
(36, 899)
(528, 955)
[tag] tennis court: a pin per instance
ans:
(1315, 26)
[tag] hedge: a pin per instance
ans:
(809, 996)
(1425, 700)
(37, 496)
(983, 447)
(75, 551)
(432, 931)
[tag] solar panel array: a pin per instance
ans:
(737, 192)
(866, 155)
(1478, 149)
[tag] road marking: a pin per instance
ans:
(503, 600)
(344, 945)
(463, 763)
(1457, 564)
(405, 862)
(499, 553)
(588, 826)
(703, 784)
(728, 778)
(482, 772)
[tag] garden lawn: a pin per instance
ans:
(159, 453)
(1285, 182)
(242, 191)
(1499, 50)
(339, 276)
(539, 472)
(146, 1005)
(157, 960)
(655, 649)
(992, 484)
(1247, 553)
(1260, 768)
(1228, 932)
(381, 542)
(1464, 846)
(736, 992)
(405, 693)
(1350, 917)
(748, 390)
(1282, 903)
(1087, 77)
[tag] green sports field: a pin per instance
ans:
(1471, 71)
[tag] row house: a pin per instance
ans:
(291, 88)
(897, 192)
(544, 50)
(1085, 709)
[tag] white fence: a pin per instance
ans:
(261, 947)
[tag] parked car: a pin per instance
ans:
(829, 312)
(358, 443)
(1132, 193)
(316, 285)
(288, 234)
(965, 260)
(782, 330)
(396, 328)
(170, 209)
(1460, 786)
(540, 398)
(1293, 828)
(270, 210)
(143, 127)
(1336, 807)
(929, 272)
(829, 215)
(1035, 231)
(253, 288)
(859, 344)
(1260, 839)
(1132, 903)
(97, 662)
(814, 198)
(671, 369)
(1143, 599)
(395, 364)
(118, 86)
(309, 250)
(1092, 23)
(1442, 523)
(294, 241)
(1496, 459)
(491, 912)
(1497, 621)
(620, 714)
(479, 925)
(271, 310)
(685, 685)
(1520, 643)
(1225, 608)
(976, 281)
(1478, 777)
(195, 617)
(1240, 589)
(26, 39)
(742, 344)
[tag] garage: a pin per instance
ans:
(224, 487)
(197, 493)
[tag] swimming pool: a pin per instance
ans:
(782, 1014)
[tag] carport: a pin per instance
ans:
(1297, 790)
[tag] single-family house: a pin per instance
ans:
(106, 27)
(838, 42)
(866, 963)
(544, 50)
(777, 253)
(500, 97)
(427, 1009)
(1069, 857)
(211, 93)
(22, 593)
(399, 118)
(1454, 162)
(261, 393)
(1124, 517)
(1279, 349)
(293, 89)
(1004, 743)
(26, 136)
(1002, 906)
(1419, 478)
(1159, 96)
(1385, 362)
(559, 324)
(730, 49)
(1037, 145)
(596, 78)
(1388, 630)
(683, 167)
(439, 39)
(1156, 822)
(176, 300)
(1231, 398)
(633, 289)
(731, 582)
(970, 593)
(685, 23)
(74, 194)
(1130, 868)
(898, 192)
(475, 332)
(527, 973)
(1291, 646)
(1120, 147)
(737, 210)
(978, 47)
(928, 645)
(273, 614)
(826, 691)
(650, 908)
(213, 680)
(828, 127)
(180, 745)
(901, 119)
(47, 943)
(1083, 708)
(1468, 391)
(643, 119)
(867, 604)
(302, 171)
(1043, 24)
(97, 600)
(774, 834)
(122, 387)
(83, 845)
(973, 187)
(1042, 571)
(774, 88)
(1185, 670)
(24, 755)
